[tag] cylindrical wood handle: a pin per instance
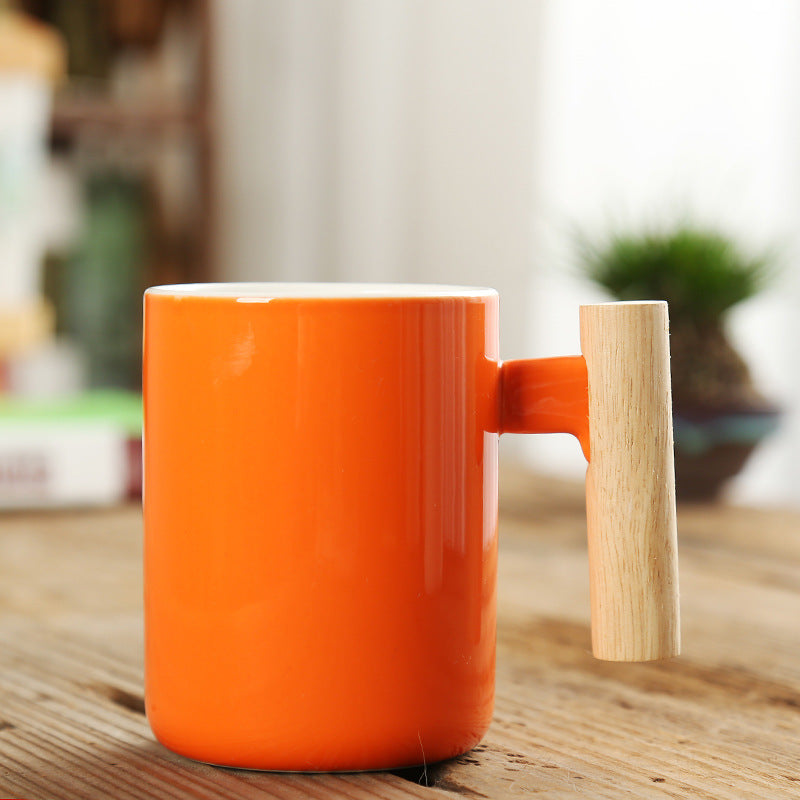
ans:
(630, 482)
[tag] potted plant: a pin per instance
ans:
(719, 415)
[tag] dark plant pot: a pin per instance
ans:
(711, 448)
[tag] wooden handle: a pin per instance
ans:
(630, 482)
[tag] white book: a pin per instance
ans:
(62, 464)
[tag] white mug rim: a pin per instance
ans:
(254, 292)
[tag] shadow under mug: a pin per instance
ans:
(321, 512)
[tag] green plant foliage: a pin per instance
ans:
(701, 273)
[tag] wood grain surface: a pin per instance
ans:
(630, 482)
(722, 721)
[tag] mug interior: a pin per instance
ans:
(261, 292)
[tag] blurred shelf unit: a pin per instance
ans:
(137, 101)
(129, 186)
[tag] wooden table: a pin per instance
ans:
(722, 721)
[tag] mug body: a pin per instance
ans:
(320, 522)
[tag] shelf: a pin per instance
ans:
(72, 115)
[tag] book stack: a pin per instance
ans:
(79, 451)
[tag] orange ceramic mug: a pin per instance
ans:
(321, 518)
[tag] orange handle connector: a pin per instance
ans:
(546, 395)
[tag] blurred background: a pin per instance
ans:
(161, 141)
